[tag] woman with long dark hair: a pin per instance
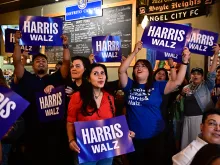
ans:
(143, 98)
(92, 102)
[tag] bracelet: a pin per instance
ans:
(185, 63)
(171, 67)
(65, 46)
(71, 140)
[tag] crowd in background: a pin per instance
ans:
(166, 112)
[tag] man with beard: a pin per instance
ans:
(41, 140)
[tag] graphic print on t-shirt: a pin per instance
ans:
(137, 96)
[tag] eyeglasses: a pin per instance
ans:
(213, 124)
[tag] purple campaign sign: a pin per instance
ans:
(11, 107)
(10, 40)
(51, 106)
(166, 55)
(100, 139)
(165, 37)
(201, 42)
(107, 48)
(44, 31)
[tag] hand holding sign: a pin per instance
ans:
(48, 89)
(138, 47)
(216, 49)
(17, 37)
(73, 146)
(65, 39)
(186, 55)
(69, 91)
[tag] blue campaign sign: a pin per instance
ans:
(43, 31)
(11, 107)
(100, 139)
(165, 37)
(51, 106)
(107, 48)
(201, 41)
(83, 10)
(10, 40)
(166, 55)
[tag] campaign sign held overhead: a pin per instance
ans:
(107, 48)
(10, 40)
(165, 37)
(43, 31)
(11, 107)
(100, 139)
(201, 42)
(84, 10)
(51, 106)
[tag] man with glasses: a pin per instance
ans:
(210, 133)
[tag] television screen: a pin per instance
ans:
(3, 27)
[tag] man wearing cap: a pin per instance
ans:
(41, 140)
(197, 99)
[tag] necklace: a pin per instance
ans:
(96, 97)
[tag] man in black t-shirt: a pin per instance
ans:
(41, 140)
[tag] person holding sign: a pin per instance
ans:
(92, 102)
(41, 140)
(143, 100)
(197, 99)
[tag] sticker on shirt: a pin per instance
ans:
(138, 95)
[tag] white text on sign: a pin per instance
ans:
(9, 105)
(42, 31)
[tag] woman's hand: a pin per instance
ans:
(131, 134)
(69, 91)
(48, 89)
(73, 146)
(216, 49)
(138, 47)
(186, 55)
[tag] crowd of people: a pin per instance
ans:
(170, 117)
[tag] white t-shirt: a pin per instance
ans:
(186, 156)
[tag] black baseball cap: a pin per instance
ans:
(39, 55)
(199, 70)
